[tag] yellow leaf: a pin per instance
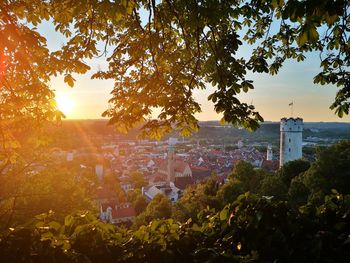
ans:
(69, 80)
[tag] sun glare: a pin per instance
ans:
(65, 104)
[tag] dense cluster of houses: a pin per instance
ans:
(168, 167)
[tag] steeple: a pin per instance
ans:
(171, 164)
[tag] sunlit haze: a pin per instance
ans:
(65, 104)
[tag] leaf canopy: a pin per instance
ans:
(160, 52)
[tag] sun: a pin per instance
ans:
(65, 104)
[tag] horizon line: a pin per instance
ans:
(267, 121)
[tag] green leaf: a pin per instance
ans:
(224, 214)
(68, 220)
(55, 225)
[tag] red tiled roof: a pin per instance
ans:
(123, 212)
(183, 182)
(271, 165)
(180, 166)
(199, 168)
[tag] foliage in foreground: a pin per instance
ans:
(294, 215)
(251, 229)
(160, 52)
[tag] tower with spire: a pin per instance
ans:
(171, 164)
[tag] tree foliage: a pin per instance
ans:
(40, 189)
(159, 53)
(251, 229)
(196, 198)
(159, 208)
(293, 169)
(138, 200)
(330, 171)
(137, 179)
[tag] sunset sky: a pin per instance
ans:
(271, 96)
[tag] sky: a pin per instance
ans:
(271, 95)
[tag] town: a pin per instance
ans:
(174, 131)
(169, 166)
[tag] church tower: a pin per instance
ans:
(171, 164)
(291, 139)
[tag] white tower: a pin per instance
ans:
(291, 139)
(269, 153)
(70, 156)
(99, 171)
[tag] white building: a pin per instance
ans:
(70, 156)
(168, 189)
(240, 144)
(99, 171)
(291, 139)
(269, 153)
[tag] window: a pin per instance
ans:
(289, 149)
(289, 140)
